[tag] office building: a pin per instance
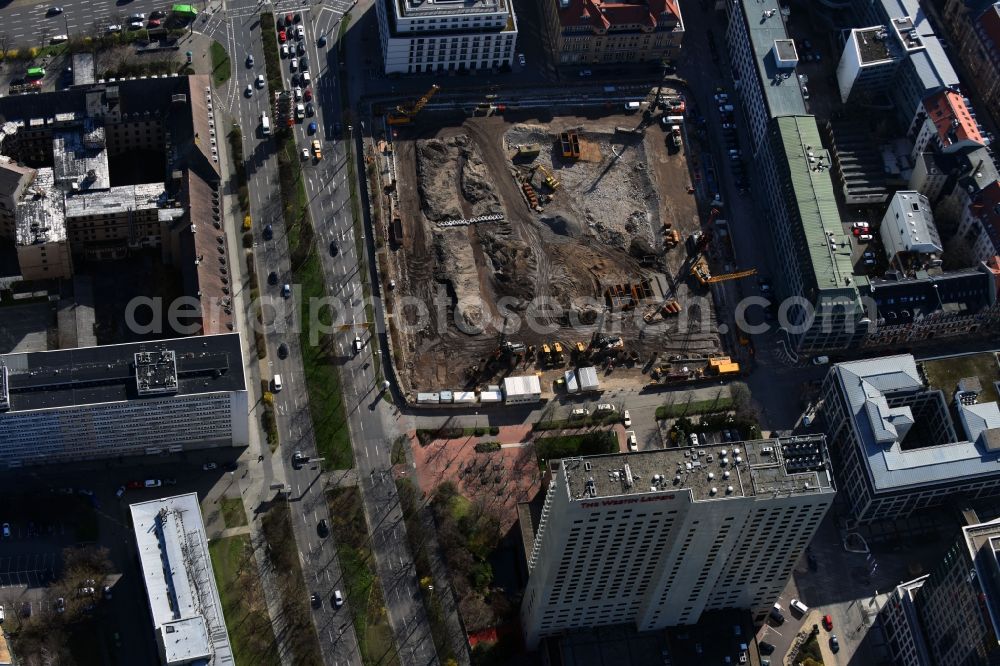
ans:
(893, 442)
(923, 68)
(584, 32)
(424, 36)
(951, 616)
(813, 253)
(900, 627)
(867, 64)
(959, 602)
(974, 28)
(122, 400)
(764, 61)
(183, 599)
(14, 180)
(658, 537)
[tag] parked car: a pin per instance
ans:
(120, 492)
(282, 37)
(209, 466)
(286, 290)
(520, 59)
(6, 530)
(765, 647)
(630, 439)
(828, 622)
(284, 50)
(834, 643)
(153, 483)
(626, 418)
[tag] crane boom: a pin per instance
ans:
(404, 114)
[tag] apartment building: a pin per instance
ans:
(812, 249)
(120, 400)
(423, 36)
(43, 251)
(183, 598)
(944, 123)
(656, 538)
(893, 442)
(867, 64)
(585, 32)
(974, 28)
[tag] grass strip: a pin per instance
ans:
(568, 446)
(586, 422)
(719, 404)
(320, 358)
(233, 514)
(284, 557)
(243, 604)
(272, 61)
(361, 582)
(221, 65)
(429, 593)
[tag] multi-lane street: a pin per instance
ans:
(241, 34)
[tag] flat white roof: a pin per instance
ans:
(180, 586)
(523, 385)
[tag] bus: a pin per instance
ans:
(35, 73)
(184, 11)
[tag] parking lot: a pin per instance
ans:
(32, 570)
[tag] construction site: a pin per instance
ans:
(490, 215)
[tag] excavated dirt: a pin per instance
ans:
(606, 214)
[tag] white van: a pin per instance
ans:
(799, 606)
(277, 382)
(631, 107)
(821, 360)
(580, 412)
(265, 124)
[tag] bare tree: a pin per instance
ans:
(4, 45)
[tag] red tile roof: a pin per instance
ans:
(952, 118)
(604, 15)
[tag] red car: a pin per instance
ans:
(134, 484)
(308, 94)
(281, 36)
(155, 23)
(288, 19)
(828, 623)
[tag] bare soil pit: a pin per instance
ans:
(597, 232)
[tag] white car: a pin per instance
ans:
(860, 225)
(305, 153)
(114, 27)
(1, 614)
(294, 64)
(284, 50)
(209, 466)
(153, 483)
(300, 32)
(626, 418)
(357, 344)
(520, 59)
(338, 598)
(297, 92)
(694, 439)
(633, 444)
(864, 237)
(248, 91)
(6, 530)
(260, 80)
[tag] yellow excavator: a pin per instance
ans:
(550, 180)
(404, 114)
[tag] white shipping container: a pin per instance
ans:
(428, 398)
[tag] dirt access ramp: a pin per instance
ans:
(597, 229)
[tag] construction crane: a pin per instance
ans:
(700, 270)
(404, 114)
(550, 180)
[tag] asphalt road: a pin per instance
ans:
(239, 30)
(26, 23)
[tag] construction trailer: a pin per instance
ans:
(588, 379)
(523, 389)
(572, 385)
